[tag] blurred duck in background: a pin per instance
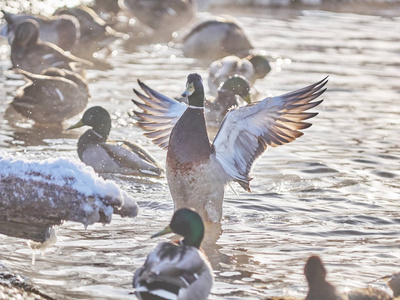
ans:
(106, 9)
(95, 33)
(216, 38)
(31, 54)
(52, 97)
(63, 31)
(252, 67)
(177, 270)
(111, 156)
(319, 288)
(217, 108)
(163, 16)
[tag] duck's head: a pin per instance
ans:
(238, 85)
(314, 270)
(194, 90)
(97, 118)
(260, 64)
(26, 34)
(187, 223)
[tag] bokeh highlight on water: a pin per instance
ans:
(333, 192)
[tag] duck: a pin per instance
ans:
(197, 170)
(120, 157)
(30, 54)
(63, 31)
(51, 97)
(216, 38)
(252, 67)
(163, 16)
(318, 287)
(178, 270)
(95, 33)
(216, 108)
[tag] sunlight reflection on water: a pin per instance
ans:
(334, 192)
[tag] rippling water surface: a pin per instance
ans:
(333, 192)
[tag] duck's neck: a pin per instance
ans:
(195, 238)
(197, 98)
(103, 129)
(90, 137)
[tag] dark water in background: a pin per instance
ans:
(334, 192)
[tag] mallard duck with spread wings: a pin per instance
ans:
(197, 170)
(178, 270)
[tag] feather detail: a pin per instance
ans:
(246, 132)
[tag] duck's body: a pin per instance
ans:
(178, 270)
(214, 39)
(162, 16)
(52, 97)
(217, 108)
(30, 54)
(95, 33)
(63, 31)
(199, 170)
(104, 156)
(251, 67)
(318, 287)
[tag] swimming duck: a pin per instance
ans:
(106, 157)
(95, 33)
(162, 16)
(252, 67)
(216, 109)
(178, 270)
(62, 31)
(197, 171)
(318, 287)
(30, 54)
(216, 38)
(52, 97)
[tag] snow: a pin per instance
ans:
(61, 189)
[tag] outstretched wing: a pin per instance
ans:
(247, 131)
(159, 115)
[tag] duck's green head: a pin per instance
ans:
(26, 34)
(97, 118)
(260, 64)
(238, 85)
(187, 223)
(194, 90)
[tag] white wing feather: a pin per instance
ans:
(247, 131)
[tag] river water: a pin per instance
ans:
(334, 192)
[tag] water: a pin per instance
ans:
(333, 192)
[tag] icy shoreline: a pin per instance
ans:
(49, 192)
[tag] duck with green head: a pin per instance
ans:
(178, 270)
(216, 109)
(197, 170)
(254, 66)
(111, 157)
